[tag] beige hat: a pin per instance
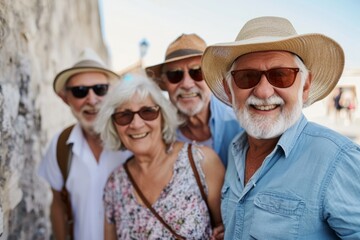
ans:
(322, 56)
(185, 46)
(88, 61)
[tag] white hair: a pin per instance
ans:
(123, 91)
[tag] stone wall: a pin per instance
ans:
(38, 38)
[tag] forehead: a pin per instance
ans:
(88, 78)
(183, 62)
(137, 102)
(266, 57)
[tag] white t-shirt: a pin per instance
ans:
(85, 182)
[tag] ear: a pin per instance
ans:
(63, 96)
(227, 90)
(161, 82)
(306, 88)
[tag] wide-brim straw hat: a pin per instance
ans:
(185, 46)
(88, 61)
(322, 55)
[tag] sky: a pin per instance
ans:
(125, 23)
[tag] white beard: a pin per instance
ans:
(88, 126)
(264, 127)
(194, 109)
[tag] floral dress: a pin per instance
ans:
(180, 204)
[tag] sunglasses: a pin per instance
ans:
(126, 117)
(82, 91)
(278, 77)
(175, 76)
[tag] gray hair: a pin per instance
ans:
(123, 91)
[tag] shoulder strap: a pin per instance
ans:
(63, 152)
(64, 158)
(148, 205)
(197, 177)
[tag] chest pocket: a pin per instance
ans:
(276, 216)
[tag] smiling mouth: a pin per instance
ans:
(138, 136)
(188, 95)
(91, 112)
(265, 107)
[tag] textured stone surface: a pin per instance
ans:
(38, 38)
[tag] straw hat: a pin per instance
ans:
(322, 56)
(185, 46)
(88, 61)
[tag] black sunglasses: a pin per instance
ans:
(175, 76)
(278, 77)
(126, 117)
(82, 91)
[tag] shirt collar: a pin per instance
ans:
(290, 137)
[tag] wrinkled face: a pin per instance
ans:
(140, 136)
(266, 111)
(85, 109)
(188, 95)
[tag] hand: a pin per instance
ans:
(218, 232)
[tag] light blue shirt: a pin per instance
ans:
(308, 187)
(223, 127)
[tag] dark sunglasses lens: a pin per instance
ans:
(149, 113)
(196, 74)
(281, 78)
(175, 76)
(246, 79)
(100, 89)
(79, 92)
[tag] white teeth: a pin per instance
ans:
(265, 107)
(188, 95)
(136, 136)
(92, 112)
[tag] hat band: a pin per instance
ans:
(182, 52)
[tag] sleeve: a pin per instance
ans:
(108, 199)
(342, 196)
(49, 168)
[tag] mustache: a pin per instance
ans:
(273, 100)
(88, 108)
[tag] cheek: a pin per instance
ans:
(76, 105)
(240, 97)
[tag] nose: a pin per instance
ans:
(187, 82)
(92, 98)
(137, 121)
(263, 89)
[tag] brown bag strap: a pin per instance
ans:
(148, 205)
(64, 158)
(198, 181)
(63, 152)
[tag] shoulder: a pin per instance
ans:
(210, 160)
(327, 136)
(220, 110)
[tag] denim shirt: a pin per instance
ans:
(224, 126)
(308, 187)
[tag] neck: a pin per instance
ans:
(94, 143)
(197, 127)
(156, 159)
(261, 147)
(257, 152)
